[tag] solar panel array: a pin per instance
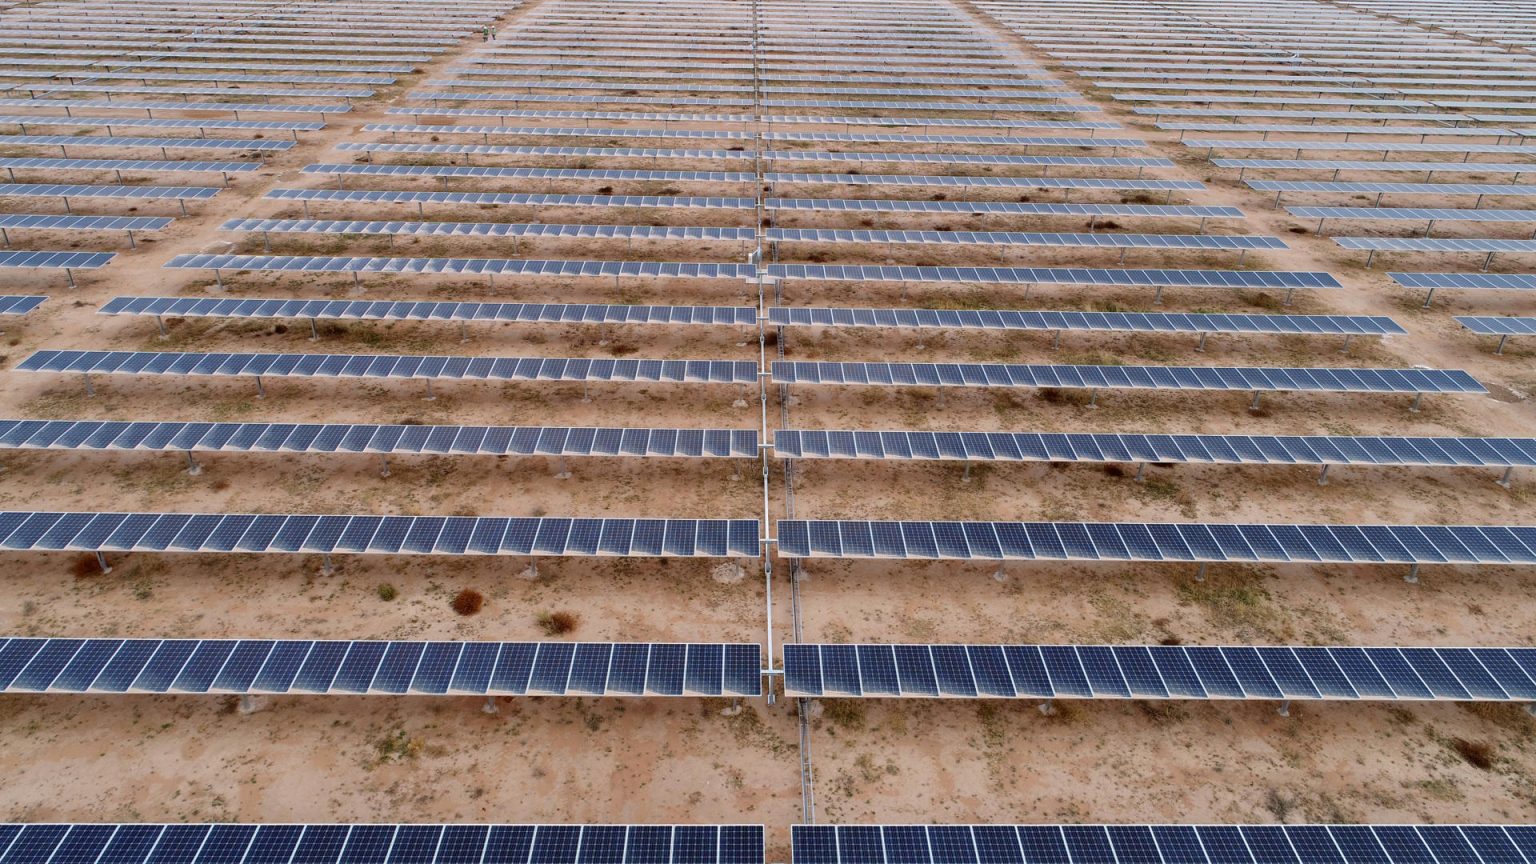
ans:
(25, 530)
(378, 668)
(375, 438)
(1137, 541)
(319, 843)
(1215, 449)
(1185, 844)
(1159, 672)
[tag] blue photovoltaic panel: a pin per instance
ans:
(1138, 541)
(895, 205)
(1160, 844)
(1435, 244)
(1414, 214)
(69, 222)
(109, 122)
(1124, 447)
(469, 266)
(375, 438)
(226, 843)
(19, 304)
(1467, 281)
(61, 190)
(70, 260)
(278, 666)
(1022, 238)
(517, 199)
(1482, 325)
(490, 229)
(129, 165)
(400, 366)
(426, 310)
(1241, 378)
(405, 535)
(119, 141)
(1132, 322)
(1274, 279)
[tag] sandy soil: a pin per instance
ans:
(655, 761)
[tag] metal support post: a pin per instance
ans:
(1418, 398)
(1254, 405)
(1502, 339)
(1413, 575)
(490, 706)
(101, 561)
(326, 568)
(966, 477)
(261, 392)
(1285, 708)
(90, 389)
(430, 397)
(1344, 349)
(160, 322)
(1201, 346)
(1200, 573)
(1509, 474)
(1141, 472)
(192, 467)
(383, 465)
(314, 332)
(1093, 397)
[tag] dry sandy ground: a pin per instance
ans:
(685, 760)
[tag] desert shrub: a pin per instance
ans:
(467, 602)
(1478, 754)
(387, 592)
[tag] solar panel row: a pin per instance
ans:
(1134, 322)
(1132, 447)
(378, 668)
(410, 310)
(231, 843)
(19, 304)
(1248, 378)
(1159, 672)
(1173, 844)
(401, 366)
(27, 530)
(1137, 541)
(375, 438)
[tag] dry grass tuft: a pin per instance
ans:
(558, 623)
(1478, 754)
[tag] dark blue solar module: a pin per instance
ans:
(376, 438)
(1161, 844)
(1138, 541)
(362, 667)
(234, 843)
(405, 535)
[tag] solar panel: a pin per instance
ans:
(668, 117)
(374, 668)
(728, 134)
(517, 150)
(1325, 129)
(366, 534)
(69, 222)
(408, 843)
(1488, 325)
(379, 170)
(1466, 281)
(490, 266)
(491, 229)
(115, 141)
(516, 199)
(19, 304)
(1175, 844)
(1393, 188)
(1133, 322)
(1357, 165)
(426, 310)
(879, 205)
(375, 438)
(1268, 672)
(1289, 280)
(1021, 238)
(1374, 146)
(1312, 450)
(143, 105)
(1140, 541)
(51, 260)
(396, 366)
(1106, 183)
(60, 190)
(25, 120)
(1435, 244)
(129, 165)
(1415, 214)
